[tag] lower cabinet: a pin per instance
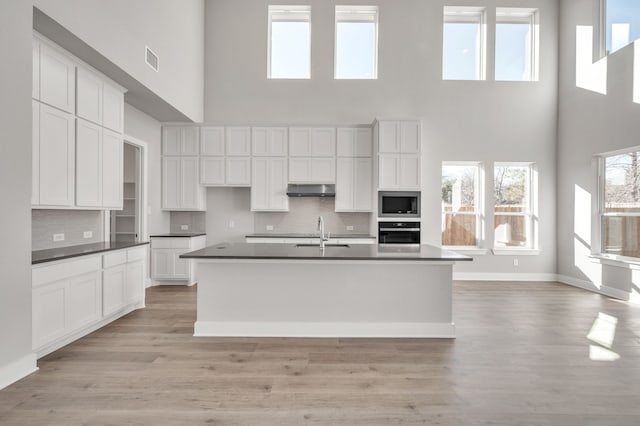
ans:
(74, 297)
(166, 264)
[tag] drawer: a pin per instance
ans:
(114, 258)
(64, 269)
(138, 253)
(169, 243)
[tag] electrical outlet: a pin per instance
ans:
(232, 224)
(515, 262)
(349, 227)
(184, 227)
(269, 227)
(88, 234)
(58, 237)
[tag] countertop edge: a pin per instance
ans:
(87, 253)
(169, 235)
(390, 258)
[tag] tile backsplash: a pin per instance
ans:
(72, 223)
(196, 221)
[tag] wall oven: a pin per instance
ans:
(399, 233)
(399, 204)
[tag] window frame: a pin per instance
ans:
(287, 13)
(521, 15)
(468, 14)
(531, 213)
(479, 195)
(356, 14)
(600, 32)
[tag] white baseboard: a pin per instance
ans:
(323, 329)
(499, 276)
(588, 285)
(18, 369)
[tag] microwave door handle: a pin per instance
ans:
(399, 229)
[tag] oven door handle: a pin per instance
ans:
(399, 229)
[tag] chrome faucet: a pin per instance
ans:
(323, 237)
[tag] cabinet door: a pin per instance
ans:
(344, 184)
(260, 184)
(238, 141)
(112, 169)
(190, 183)
(269, 141)
(389, 137)
(88, 164)
(161, 264)
(84, 300)
(323, 142)
(300, 169)
(363, 184)
(35, 79)
(181, 267)
(323, 170)
(278, 198)
(212, 141)
(363, 142)
(49, 313)
(410, 137)
(89, 91)
(190, 141)
(171, 182)
(409, 172)
(134, 288)
(113, 108)
(113, 282)
(299, 142)
(171, 140)
(35, 153)
(388, 171)
(278, 141)
(212, 171)
(238, 171)
(57, 154)
(57, 79)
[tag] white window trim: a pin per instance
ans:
(531, 16)
(356, 13)
(457, 14)
(287, 13)
(532, 223)
(480, 208)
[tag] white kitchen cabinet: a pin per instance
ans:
(113, 108)
(312, 170)
(354, 185)
(269, 184)
(212, 171)
(238, 141)
(225, 171)
(88, 164)
(212, 141)
(89, 87)
(354, 142)
(270, 141)
(399, 137)
(171, 183)
(113, 284)
(35, 153)
(181, 188)
(84, 300)
(112, 170)
(134, 281)
(399, 171)
(49, 306)
(181, 141)
(56, 149)
(57, 79)
(238, 171)
(166, 264)
(35, 78)
(312, 142)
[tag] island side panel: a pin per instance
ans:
(324, 298)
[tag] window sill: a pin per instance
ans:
(467, 250)
(619, 261)
(515, 252)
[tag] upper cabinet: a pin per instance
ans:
(212, 141)
(399, 137)
(35, 82)
(56, 79)
(238, 141)
(270, 141)
(180, 140)
(399, 150)
(225, 156)
(354, 142)
(312, 142)
(269, 185)
(112, 108)
(180, 184)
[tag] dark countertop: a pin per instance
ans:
(179, 235)
(316, 235)
(353, 252)
(49, 255)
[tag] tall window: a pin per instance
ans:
(356, 50)
(516, 44)
(620, 211)
(463, 43)
(289, 54)
(461, 204)
(514, 192)
(622, 20)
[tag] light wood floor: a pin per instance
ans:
(521, 358)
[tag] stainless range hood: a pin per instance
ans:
(311, 190)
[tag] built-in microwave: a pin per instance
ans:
(399, 233)
(399, 204)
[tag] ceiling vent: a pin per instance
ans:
(152, 59)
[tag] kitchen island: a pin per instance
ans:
(298, 290)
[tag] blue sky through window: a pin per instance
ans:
(355, 50)
(460, 59)
(623, 23)
(290, 50)
(513, 52)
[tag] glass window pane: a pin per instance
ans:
(459, 185)
(511, 189)
(621, 235)
(510, 231)
(355, 50)
(459, 230)
(461, 51)
(622, 183)
(290, 50)
(513, 52)
(623, 23)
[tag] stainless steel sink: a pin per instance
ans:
(326, 245)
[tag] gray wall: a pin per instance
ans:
(462, 120)
(120, 29)
(15, 184)
(196, 221)
(72, 223)
(590, 123)
(147, 129)
(225, 205)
